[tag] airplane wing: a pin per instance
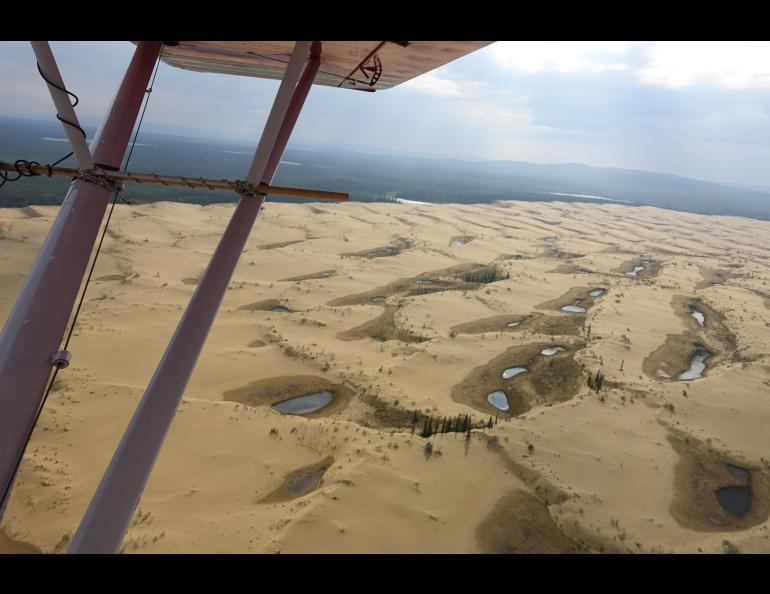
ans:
(359, 65)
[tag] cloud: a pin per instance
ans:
(562, 56)
(729, 64)
(433, 84)
(670, 64)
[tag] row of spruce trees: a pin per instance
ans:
(489, 274)
(458, 424)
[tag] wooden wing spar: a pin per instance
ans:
(360, 65)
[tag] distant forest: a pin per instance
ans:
(368, 177)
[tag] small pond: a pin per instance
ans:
(551, 351)
(281, 309)
(513, 372)
(305, 481)
(697, 365)
(303, 405)
(734, 500)
(498, 400)
(741, 473)
(698, 315)
(597, 292)
(574, 308)
(635, 271)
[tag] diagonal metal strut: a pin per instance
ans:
(112, 507)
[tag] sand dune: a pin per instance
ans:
(634, 467)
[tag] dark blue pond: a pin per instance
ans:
(735, 500)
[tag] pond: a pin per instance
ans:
(303, 405)
(513, 372)
(305, 481)
(498, 400)
(512, 324)
(551, 239)
(378, 299)
(635, 271)
(551, 351)
(574, 308)
(739, 472)
(697, 365)
(698, 315)
(597, 292)
(734, 500)
(281, 309)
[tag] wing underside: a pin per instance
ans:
(360, 65)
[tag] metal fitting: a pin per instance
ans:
(61, 359)
(247, 190)
(100, 179)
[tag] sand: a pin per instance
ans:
(573, 471)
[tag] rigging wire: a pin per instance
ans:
(77, 100)
(22, 166)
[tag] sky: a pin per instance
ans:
(695, 109)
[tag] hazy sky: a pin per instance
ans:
(697, 109)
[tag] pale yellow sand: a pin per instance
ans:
(606, 468)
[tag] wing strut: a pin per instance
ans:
(65, 111)
(112, 507)
(35, 327)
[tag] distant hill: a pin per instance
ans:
(756, 188)
(370, 177)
